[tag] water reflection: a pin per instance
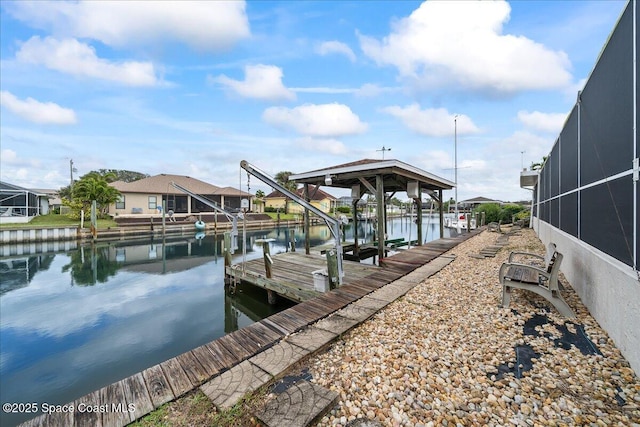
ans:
(72, 323)
(17, 272)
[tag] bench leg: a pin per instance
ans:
(554, 298)
(506, 296)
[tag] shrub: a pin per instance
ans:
(491, 210)
(508, 212)
(344, 209)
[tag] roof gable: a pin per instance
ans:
(161, 184)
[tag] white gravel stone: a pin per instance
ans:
(431, 357)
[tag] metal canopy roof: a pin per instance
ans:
(396, 176)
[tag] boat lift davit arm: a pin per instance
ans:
(214, 205)
(332, 223)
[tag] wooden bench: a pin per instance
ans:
(542, 281)
(541, 261)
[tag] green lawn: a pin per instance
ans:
(54, 220)
(284, 217)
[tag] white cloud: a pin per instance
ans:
(432, 121)
(369, 90)
(76, 58)
(324, 120)
(36, 111)
(544, 122)
(260, 82)
(438, 161)
(327, 48)
(527, 147)
(204, 25)
(462, 43)
(8, 156)
(326, 145)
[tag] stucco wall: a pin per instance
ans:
(133, 200)
(606, 286)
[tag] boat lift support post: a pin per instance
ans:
(332, 223)
(214, 205)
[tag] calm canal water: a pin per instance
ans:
(73, 322)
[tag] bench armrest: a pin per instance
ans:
(524, 254)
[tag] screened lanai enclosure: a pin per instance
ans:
(19, 204)
(586, 199)
(588, 187)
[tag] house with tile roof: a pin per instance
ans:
(147, 196)
(320, 199)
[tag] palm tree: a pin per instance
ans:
(539, 165)
(282, 178)
(94, 186)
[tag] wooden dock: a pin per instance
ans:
(291, 274)
(122, 402)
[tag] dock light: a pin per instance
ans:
(327, 179)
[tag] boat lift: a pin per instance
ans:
(332, 223)
(214, 205)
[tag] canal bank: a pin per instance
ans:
(20, 235)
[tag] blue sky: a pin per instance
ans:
(193, 88)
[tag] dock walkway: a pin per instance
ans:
(247, 359)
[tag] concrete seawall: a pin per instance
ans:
(13, 236)
(26, 235)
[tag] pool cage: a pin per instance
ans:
(21, 203)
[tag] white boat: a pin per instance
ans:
(459, 222)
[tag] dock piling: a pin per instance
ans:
(332, 268)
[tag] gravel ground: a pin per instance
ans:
(448, 354)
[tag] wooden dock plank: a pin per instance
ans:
(112, 396)
(60, 419)
(196, 373)
(157, 385)
(291, 292)
(230, 343)
(288, 320)
(352, 291)
(137, 397)
(176, 376)
(222, 357)
(206, 359)
(88, 418)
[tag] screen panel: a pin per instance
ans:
(554, 212)
(569, 153)
(569, 214)
(606, 108)
(606, 218)
(554, 170)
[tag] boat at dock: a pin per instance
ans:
(459, 222)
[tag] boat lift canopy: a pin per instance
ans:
(380, 178)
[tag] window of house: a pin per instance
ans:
(120, 202)
(153, 202)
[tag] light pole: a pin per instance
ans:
(455, 160)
